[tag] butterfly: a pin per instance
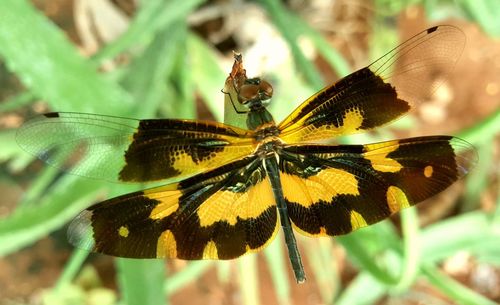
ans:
(236, 187)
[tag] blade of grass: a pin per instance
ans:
(473, 232)
(152, 16)
(28, 225)
(71, 268)
(207, 75)
(282, 19)
(484, 12)
(364, 258)
(11, 152)
(182, 78)
(224, 271)
(17, 101)
(279, 273)
(411, 246)
(319, 256)
(147, 75)
(49, 65)
(453, 289)
(143, 280)
(482, 131)
(189, 274)
(331, 55)
(364, 289)
(247, 274)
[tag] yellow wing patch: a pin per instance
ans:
(357, 220)
(377, 155)
(396, 199)
(325, 185)
(210, 251)
(352, 121)
(232, 204)
(166, 246)
(168, 201)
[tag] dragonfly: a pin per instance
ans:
(234, 188)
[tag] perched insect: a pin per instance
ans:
(240, 185)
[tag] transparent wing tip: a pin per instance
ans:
(80, 232)
(466, 155)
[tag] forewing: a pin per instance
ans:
(129, 150)
(333, 190)
(220, 214)
(380, 93)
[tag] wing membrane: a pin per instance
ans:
(333, 190)
(129, 150)
(380, 93)
(220, 214)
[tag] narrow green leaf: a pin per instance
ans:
(17, 101)
(453, 289)
(473, 232)
(278, 268)
(484, 130)
(71, 268)
(207, 75)
(319, 254)
(50, 66)
(143, 280)
(153, 15)
(411, 246)
(360, 255)
(363, 290)
(332, 56)
(282, 19)
(147, 75)
(248, 275)
(28, 225)
(182, 78)
(189, 274)
(484, 12)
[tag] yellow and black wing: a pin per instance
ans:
(333, 190)
(128, 150)
(380, 93)
(220, 214)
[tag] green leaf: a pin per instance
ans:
(153, 16)
(26, 226)
(454, 290)
(411, 246)
(50, 66)
(282, 19)
(147, 75)
(189, 274)
(365, 258)
(475, 232)
(364, 289)
(142, 281)
(279, 270)
(207, 75)
(17, 101)
(248, 279)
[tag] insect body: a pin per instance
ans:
(238, 186)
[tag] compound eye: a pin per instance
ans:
(265, 90)
(248, 92)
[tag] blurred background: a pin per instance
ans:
(169, 59)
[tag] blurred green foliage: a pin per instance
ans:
(160, 80)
